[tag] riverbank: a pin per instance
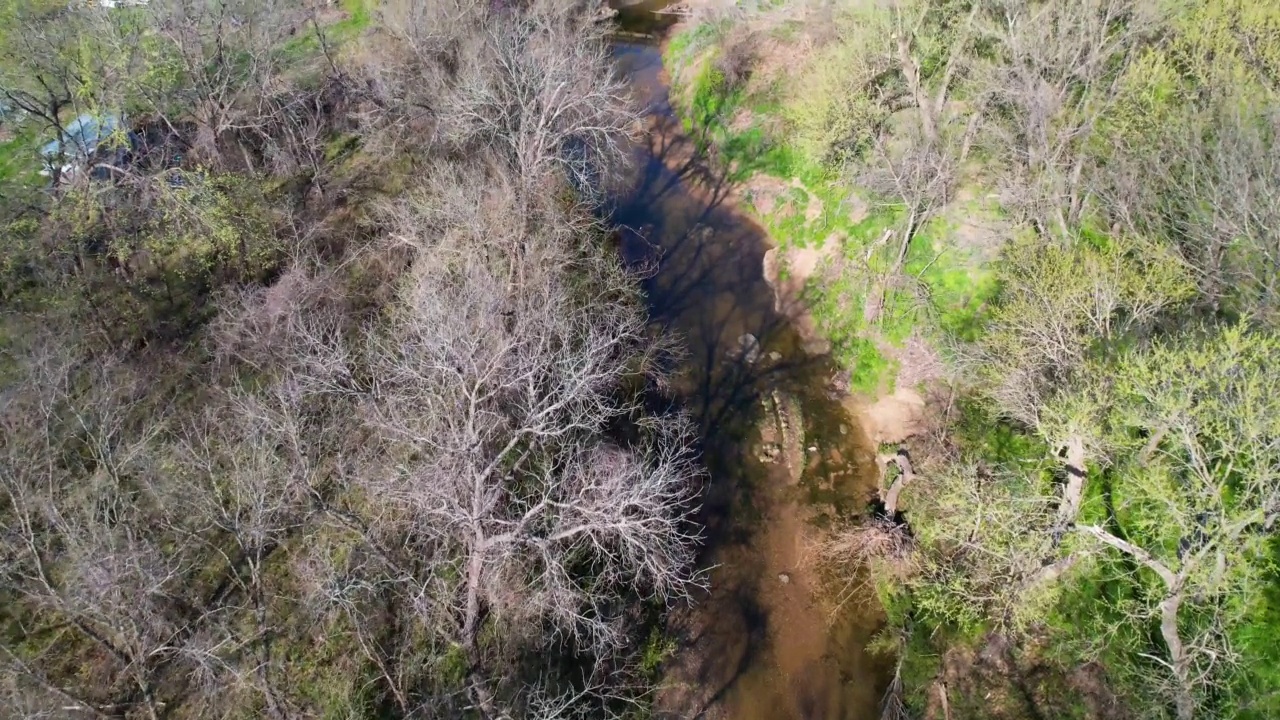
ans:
(1000, 249)
(783, 451)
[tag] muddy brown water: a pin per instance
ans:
(762, 643)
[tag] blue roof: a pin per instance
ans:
(86, 133)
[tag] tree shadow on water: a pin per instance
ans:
(703, 262)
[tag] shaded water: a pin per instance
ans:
(756, 646)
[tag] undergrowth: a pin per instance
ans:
(943, 292)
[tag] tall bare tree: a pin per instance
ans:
(79, 479)
(492, 397)
(219, 64)
(1057, 71)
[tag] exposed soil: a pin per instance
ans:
(764, 191)
(1000, 681)
(787, 272)
(893, 418)
(801, 661)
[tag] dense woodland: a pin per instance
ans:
(323, 393)
(1073, 207)
(328, 396)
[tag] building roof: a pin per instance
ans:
(85, 134)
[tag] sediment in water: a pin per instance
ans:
(754, 646)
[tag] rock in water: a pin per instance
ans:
(748, 349)
(784, 578)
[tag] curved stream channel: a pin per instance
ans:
(760, 644)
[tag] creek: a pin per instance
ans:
(785, 455)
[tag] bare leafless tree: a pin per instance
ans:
(930, 94)
(1209, 182)
(549, 98)
(535, 85)
(251, 463)
(228, 57)
(78, 480)
(1057, 72)
(492, 395)
(448, 476)
(486, 491)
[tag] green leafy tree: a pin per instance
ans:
(61, 59)
(1194, 486)
(1188, 152)
(1060, 305)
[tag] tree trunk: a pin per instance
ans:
(911, 71)
(1073, 493)
(905, 477)
(474, 568)
(1179, 660)
(872, 310)
(1051, 572)
(876, 291)
(1177, 655)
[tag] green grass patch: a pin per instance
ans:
(957, 290)
(712, 103)
(1256, 691)
(753, 151)
(707, 105)
(657, 649)
(869, 370)
(341, 147)
(327, 676)
(980, 434)
(359, 15)
(837, 303)
(687, 44)
(789, 30)
(945, 291)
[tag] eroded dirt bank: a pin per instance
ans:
(783, 450)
